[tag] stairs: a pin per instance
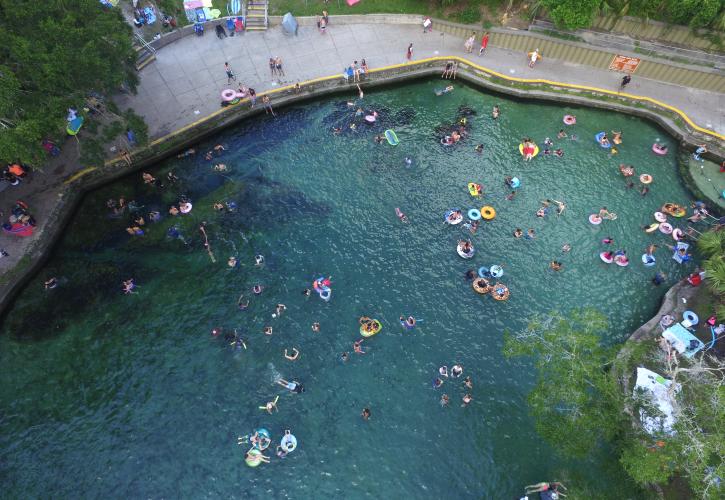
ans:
(256, 15)
(145, 53)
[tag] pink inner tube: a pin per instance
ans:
(666, 228)
(370, 119)
(595, 219)
(677, 234)
(569, 120)
(228, 95)
(621, 261)
(603, 256)
(659, 151)
(660, 217)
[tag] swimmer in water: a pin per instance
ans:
(548, 142)
(559, 153)
(379, 139)
(530, 235)
(360, 92)
(443, 371)
(258, 260)
(293, 386)
(408, 161)
(444, 400)
(468, 383)
(437, 383)
(241, 305)
(280, 309)
(409, 322)
(268, 330)
(467, 400)
(479, 149)
(561, 134)
(52, 283)
(495, 113)
(518, 232)
(271, 406)
(471, 274)
(566, 248)
(366, 413)
(456, 371)
(292, 357)
(511, 196)
(608, 240)
(306, 292)
(336, 130)
(357, 346)
(555, 265)
(344, 357)
(232, 262)
(257, 289)
(315, 327)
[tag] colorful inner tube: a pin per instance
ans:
(474, 214)
(645, 179)
(648, 260)
(652, 227)
(500, 292)
(598, 138)
(488, 212)
(371, 328)
(253, 458)
(481, 285)
(677, 234)
(621, 260)
(370, 118)
(673, 209)
(525, 151)
(569, 120)
(659, 150)
(595, 219)
(691, 317)
(474, 189)
(660, 217)
(666, 228)
(606, 257)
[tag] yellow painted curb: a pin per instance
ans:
(680, 113)
(79, 174)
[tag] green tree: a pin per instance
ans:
(572, 14)
(52, 55)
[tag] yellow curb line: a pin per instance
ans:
(422, 61)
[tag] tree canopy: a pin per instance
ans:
(54, 54)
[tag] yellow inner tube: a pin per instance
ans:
(536, 149)
(488, 212)
(481, 285)
(473, 189)
(370, 328)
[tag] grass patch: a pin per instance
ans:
(315, 7)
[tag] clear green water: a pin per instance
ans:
(106, 394)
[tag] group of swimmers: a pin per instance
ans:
(455, 372)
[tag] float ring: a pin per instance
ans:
(645, 179)
(691, 317)
(569, 120)
(488, 212)
(228, 95)
(474, 214)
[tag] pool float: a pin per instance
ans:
(677, 234)
(440, 92)
(264, 439)
(481, 285)
(475, 189)
(648, 260)
(676, 255)
(322, 286)
(228, 95)
(606, 257)
(569, 120)
(366, 331)
(598, 138)
(496, 271)
(658, 149)
(660, 217)
(595, 219)
(288, 442)
(488, 212)
(528, 150)
(370, 118)
(645, 179)
(474, 214)
(391, 137)
(691, 317)
(500, 292)
(253, 458)
(665, 228)
(463, 254)
(74, 125)
(621, 260)
(652, 227)
(515, 182)
(626, 170)
(185, 208)
(455, 221)
(674, 210)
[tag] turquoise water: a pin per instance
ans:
(131, 395)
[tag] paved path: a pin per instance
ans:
(185, 82)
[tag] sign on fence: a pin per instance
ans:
(624, 63)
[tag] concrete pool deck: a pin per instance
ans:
(182, 88)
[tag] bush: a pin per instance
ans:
(571, 14)
(469, 15)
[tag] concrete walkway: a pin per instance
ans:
(184, 83)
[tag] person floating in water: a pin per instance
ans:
(539, 487)
(366, 413)
(292, 357)
(293, 386)
(357, 346)
(271, 406)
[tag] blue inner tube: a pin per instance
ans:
(515, 182)
(648, 260)
(598, 138)
(405, 325)
(496, 271)
(474, 214)
(691, 317)
(483, 272)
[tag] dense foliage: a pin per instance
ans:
(579, 405)
(53, 55)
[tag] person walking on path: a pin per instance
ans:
(230, 73)
(278, 66)
(533, 57)
(469, 43)
(625, 81)
(484, 44)
(409, 53)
